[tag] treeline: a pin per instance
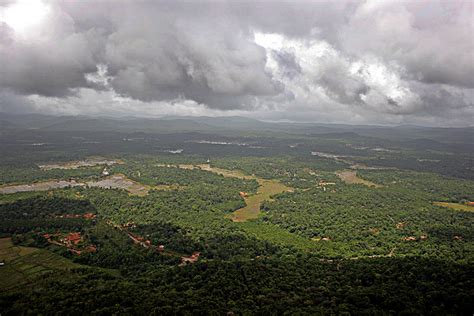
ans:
(292, 285)
(29, 174)
(44, 207)
(43, 214)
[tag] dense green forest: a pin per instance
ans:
(324, 246)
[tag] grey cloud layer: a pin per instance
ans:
(382, 61)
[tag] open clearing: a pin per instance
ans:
(120, 181)
(89, 162)
(456, 206)
(23, 264)
(207, 167)
(350, 177)
(39, 186)
(266, 189)
(116, 181)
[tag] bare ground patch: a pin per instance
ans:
(455, 206)
(350, 177)
(116, 181)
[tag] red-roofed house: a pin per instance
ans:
(73, 238)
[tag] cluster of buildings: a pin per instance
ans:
(413, 238)
(322, 184)
(146, 243)
(71, 241)
(191, 259)
(85, 216)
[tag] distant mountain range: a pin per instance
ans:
(415, 135)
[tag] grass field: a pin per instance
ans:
(350, 177)
(266, 189)
(24, 264)
(456, 206)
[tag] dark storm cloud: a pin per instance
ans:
(378, 57)
(165, 57)
(13, 103)
(50, 64)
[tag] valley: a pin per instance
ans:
(120, 209)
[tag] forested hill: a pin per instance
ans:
(427, 137)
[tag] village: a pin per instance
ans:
(73, 241)
(147, 244)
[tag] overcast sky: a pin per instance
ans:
(367, 62)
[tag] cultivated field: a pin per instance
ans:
(23, 264)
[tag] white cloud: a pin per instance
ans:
(344, 61)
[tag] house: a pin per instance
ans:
(400, 225)
(470, 203)
(73, 238)
(89, 215)
(410, 238)
(423, 237)
(161, 248)
(457, 238)
(323, 183)
(91, 248)
(191, 259)
(129, 225)
(105, 172)
(243, 194)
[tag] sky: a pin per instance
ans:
(355, 62)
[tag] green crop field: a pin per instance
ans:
(23, 264)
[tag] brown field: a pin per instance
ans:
(207, 167)
(226, 172)
(456, 206)
(350, 177)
